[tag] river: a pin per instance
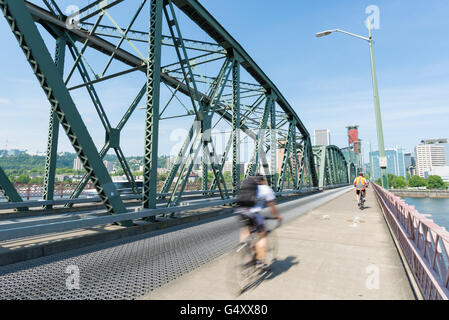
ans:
(438, 208)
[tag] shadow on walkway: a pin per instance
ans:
(277, 268)
(280, 266)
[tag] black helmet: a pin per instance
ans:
(259, 178)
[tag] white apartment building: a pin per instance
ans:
(108, 165)
(322, 137)
(429, 156)
(77, 165)
(443, 172)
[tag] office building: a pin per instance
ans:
(395, 162)
(108, 165)
(322, 137)
(443, 172)
(429, 154)
(409, 160)
(77, 165)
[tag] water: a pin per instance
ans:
(438, 208)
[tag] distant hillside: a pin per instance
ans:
(25, 163)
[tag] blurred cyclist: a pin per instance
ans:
(254, 194)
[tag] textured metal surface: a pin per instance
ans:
(123, 269)
(129, 268)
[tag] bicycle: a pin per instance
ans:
(245, 256)
(361, 203)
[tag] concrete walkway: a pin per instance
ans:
(335, 251)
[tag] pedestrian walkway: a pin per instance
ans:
(336, 251)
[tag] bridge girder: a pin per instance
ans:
(275, 129)
(332, 167)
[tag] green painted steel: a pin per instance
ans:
(273, 146)
(85, 179)
(249, 109)
(254, 163)
(236, 124)
(61, 102)
(380, 134)
(152, 106)
(332, 166)
(288, 141)
(53, 132)
(7, 188)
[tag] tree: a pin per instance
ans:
(399, 183)
(417, 181)
(391, 179)
(227, 176)
(23, 179)
(37, 180)
(435, 182)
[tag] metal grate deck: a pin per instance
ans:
(121, 269)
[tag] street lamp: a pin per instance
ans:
(380, 135)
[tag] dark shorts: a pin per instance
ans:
(363, 191)
(255, 221)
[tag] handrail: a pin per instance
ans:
(424, 243)
(18, 230)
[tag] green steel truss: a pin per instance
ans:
(7, 188)
(206, 85)
(331, 165)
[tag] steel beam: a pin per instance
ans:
(152, 106)
(273, 146)
(32, 44)
(252, 167)
(7, 188)
(281, 179)
(53, 132)
(236, 123)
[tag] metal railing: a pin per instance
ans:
(421, 191)
(424, 244)
(26, 229)
(30, 191)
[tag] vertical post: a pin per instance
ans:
(53, 131)
(273, 145)
(235, 126)
(294, 156)
(281, 179)
(380, 135)
(205, 168)
(9, 191)
(152, 106)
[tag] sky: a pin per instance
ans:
(326, 80)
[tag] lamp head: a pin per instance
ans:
(324, 33)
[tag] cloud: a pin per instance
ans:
(4, 101)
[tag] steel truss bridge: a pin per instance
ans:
(210, 84)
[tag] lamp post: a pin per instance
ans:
(380, 135)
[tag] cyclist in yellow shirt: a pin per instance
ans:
(360, 183)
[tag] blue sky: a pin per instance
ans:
(326, 80)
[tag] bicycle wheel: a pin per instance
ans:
(272, 248)
(245, 267)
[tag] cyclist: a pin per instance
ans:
(360, 183)
(255, 221)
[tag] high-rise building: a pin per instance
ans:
(108, 165)
(443, 172)
(395, 162)
(429, 154)
(77, 165)
(322, 137)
